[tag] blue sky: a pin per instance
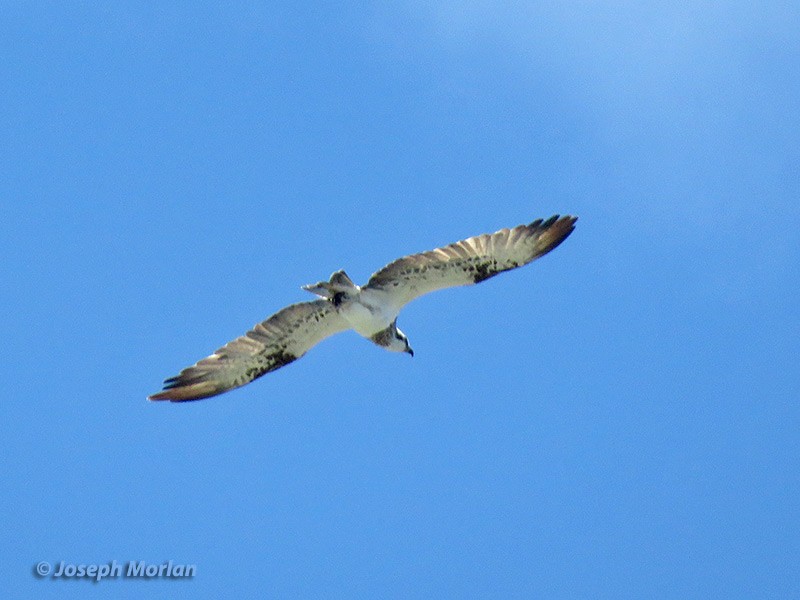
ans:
(617, 420)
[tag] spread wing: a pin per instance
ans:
(281, 339)
(469, 261)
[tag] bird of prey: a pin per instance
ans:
(371, 310)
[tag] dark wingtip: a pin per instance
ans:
(171, 392)
(552, 232)
(184, 390)
(545, 224)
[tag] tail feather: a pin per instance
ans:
(339, 282)
(320, 289)
(342, 282)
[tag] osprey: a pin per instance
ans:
(371, 310)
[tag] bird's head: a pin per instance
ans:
(399, 343)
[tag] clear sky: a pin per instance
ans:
(617, 420)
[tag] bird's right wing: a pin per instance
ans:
(469, 261)
(281, 339)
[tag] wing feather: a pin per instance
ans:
(469, 261)
(282, 338)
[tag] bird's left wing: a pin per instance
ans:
(281, 339)
(469, 261)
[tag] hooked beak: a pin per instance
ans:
(410, 351)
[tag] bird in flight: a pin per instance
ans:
(371, 310)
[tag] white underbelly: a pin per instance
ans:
(366, 319)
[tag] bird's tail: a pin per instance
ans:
(339, 282)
